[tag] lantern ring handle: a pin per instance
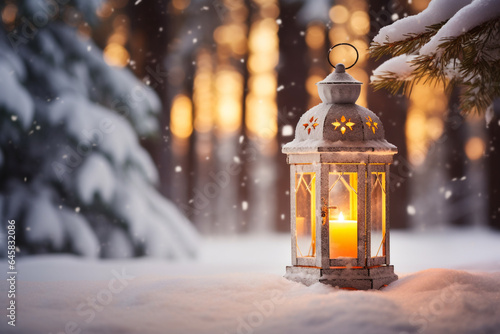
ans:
(333, 47)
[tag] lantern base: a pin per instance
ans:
(351, 278)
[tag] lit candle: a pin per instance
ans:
(343, 237)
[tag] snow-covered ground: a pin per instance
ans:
(236, 286)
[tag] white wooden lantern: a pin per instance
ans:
(339, 165)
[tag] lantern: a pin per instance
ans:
(339, 167)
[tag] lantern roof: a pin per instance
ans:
(338, 123)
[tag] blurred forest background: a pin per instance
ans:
(235, 76)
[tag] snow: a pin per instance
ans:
(44, 223)
(401, 65)
(15, 99)
(462, 16)
(447, 194)
(468, 17)
(436, 12)
(77, 121)
(236, 286)
(488, 116)
(84, 242)
(95, 177)
(287, 130)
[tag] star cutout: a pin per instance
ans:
(371, 124)
(311, 125)
(343, 123)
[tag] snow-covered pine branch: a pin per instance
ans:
(450, 42)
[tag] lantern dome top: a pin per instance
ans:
(338, 124)
(339, 76)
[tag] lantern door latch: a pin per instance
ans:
(324, 212)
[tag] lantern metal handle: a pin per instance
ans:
(352, 46)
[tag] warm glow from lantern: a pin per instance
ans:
(343, 237)
(181, 117)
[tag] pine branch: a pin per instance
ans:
(393, 83)
(411, 44)
(470, 60)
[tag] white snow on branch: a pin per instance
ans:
(437, 11)
(470, 16)
(44, 224)
(14, 98)
(95, 177)
(400, 65)
(463, 16)
(83, 241)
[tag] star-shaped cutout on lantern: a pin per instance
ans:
(371, 124)
(343, 123)
(311, 125)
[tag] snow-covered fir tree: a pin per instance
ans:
(72, 172)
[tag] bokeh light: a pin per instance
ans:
(181, 116)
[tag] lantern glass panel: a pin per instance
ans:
(343, 214)
(378, 214)
(305, 214)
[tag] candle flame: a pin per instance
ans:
(341, 217)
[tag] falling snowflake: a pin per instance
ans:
(287, 130)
